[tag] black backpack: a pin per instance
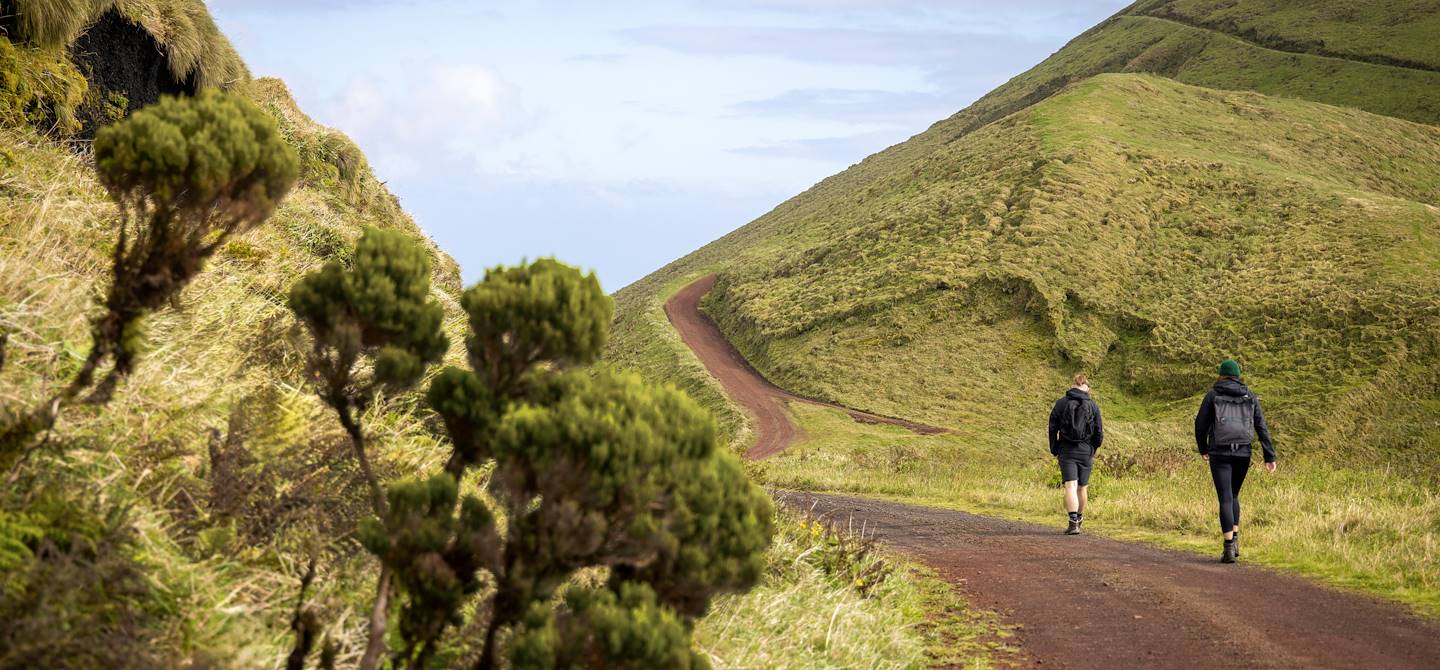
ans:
(1078, 423)
(1234, 419)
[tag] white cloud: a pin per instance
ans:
(450, 111)
(360, 106)
(472, 88)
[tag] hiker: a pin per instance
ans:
(1076, 433)
(1228, 422)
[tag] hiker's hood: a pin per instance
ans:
(1232, 387)
(1077, 394)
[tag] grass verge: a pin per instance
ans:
(834, 600)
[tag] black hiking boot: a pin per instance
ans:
(1074, 528)
(1228, 556)
(1236, 542)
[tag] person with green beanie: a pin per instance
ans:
(1229, 421)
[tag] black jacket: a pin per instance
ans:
(1205, 421)
(1057, 416)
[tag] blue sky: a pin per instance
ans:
(618, 136)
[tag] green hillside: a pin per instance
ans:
(1254, 179)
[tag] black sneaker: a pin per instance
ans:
(1074, 528)
(1228, 556)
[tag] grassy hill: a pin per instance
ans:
(1251, 179)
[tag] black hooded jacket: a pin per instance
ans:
(1057, 417)
(1205, 421)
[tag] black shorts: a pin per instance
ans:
(1076, 467)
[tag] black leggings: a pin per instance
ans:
(1228, 472)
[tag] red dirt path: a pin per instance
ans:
(1086, 601)
(743, 383)
(1091, 602)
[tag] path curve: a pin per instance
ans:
(1090, 602)
(743, 383)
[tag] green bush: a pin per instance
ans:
(188, 174)
(380, 308)
(379, 313)
(72, 593)
(590, 468)
(52, 23)
(624, 629)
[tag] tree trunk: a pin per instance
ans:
(357, 442)
(375, 645)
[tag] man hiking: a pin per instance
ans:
(1228, 422)
(1076, 433)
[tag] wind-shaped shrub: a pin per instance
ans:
(434, 552)
(378, 310)
(592, 468)
(374, 329)
(188, 174)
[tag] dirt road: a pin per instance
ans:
(1089, 602)
(746, 386)
(1086, 601)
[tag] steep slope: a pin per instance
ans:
(1132, 225)
(169, 529)
(1138, 226)
(226, 462)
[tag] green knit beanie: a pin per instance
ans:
(1230, 368)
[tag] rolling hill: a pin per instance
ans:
(1184, 182)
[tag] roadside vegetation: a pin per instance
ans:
(833, 598)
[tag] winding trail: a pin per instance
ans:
(1087, 601)
(744, 384)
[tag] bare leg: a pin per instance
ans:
(1072, 497)
(1084, 498)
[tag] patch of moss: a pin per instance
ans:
(39, 88)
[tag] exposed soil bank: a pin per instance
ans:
(127, 70)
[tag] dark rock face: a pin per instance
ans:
(127, 70)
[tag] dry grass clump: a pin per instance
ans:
(833, 599)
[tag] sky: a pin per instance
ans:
(620, 135)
